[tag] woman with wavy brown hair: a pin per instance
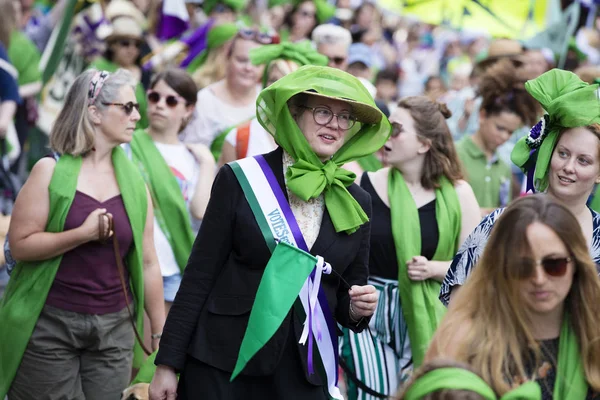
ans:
(422, 211)
(529, 312)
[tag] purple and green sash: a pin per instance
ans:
(291, 278)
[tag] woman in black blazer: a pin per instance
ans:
(317, 130)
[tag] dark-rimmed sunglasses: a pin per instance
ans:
(170, 100)
(127, 107)
(553, 266)
(323, 116)
(258, 37)
(129, 42)
(337, 60)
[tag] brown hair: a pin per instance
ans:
(180, 81)
(8, 21)
(430, 123)
(487, 325)
(444, 394)
(502, 89)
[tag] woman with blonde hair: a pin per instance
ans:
(67, 315)
(529, 312)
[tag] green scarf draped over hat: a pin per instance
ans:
(309, 176)
(302, 53)
(570, 380)
(421, 307)
(170, 209)
(217, 37)
(31, 281)
(569, 103)
(235, 5)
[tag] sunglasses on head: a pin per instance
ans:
(127, 107)
(170, 100)
(129, 43)
(553, 266)
(258, 37)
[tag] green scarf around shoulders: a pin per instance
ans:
(30, 282)
(570, 378)
(421, 307)
(170, 209)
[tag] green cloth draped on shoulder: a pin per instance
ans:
(30, 282)
(570, 103)
(570, 378)
(103, 64)
(421, 307)
(309, 176)
(25, 56)
(169, 205)
(370, 163)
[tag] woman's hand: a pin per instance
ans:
(164, 384)
(363, 301)
(202, 153)
(90, 228)
(419, 268)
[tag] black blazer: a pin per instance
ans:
(210, 313)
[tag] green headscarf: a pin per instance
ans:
(569, 103)
(309, 176)
(235, 5)
(217, 37)
(301, 53)
(462, 379)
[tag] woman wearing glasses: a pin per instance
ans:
(561, 157)
(179, 177)
(123, 49)
(66, 329)
(317, 214)
(529, 312)
(422, 211)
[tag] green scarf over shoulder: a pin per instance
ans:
(30, 282)
(169, 206)
(421, 307)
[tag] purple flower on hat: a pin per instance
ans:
(538, 133)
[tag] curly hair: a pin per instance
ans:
(502, 89)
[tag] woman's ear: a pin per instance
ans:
(425, 146)
(189, 110)
(94, 114)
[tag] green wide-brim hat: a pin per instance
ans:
(236, 5)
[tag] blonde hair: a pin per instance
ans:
(8, 21)
(213, 69)
(73, 132)
(487, 325)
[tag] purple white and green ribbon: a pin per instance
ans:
(291, 274)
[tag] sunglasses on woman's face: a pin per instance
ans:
(129, 43)
(258, 37)
(170, 100)
(306, 13)
(127, 107)
(337, 60)
(553, 266)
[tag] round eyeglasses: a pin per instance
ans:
(323, 116)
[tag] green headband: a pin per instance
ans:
(309, 176)
(301, 53)
(462, 379)
(235, 5)
(569, 103)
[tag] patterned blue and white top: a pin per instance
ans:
(469, 253)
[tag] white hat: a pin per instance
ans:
(126, 19)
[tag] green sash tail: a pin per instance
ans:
(421, 307)
(30, 282)
(170, 208)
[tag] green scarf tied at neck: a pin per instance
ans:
(569, 103)
(30, 282)
(301, 53)
(217, 37)
(570, 379)
(421, 307)
(309, 176)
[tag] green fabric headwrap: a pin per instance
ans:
(301, 53)
(421, 307)
(235, 5)
(570, 103)
(309, 176)
(462, 379)
(217, 37)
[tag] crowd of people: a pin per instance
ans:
(294, 199)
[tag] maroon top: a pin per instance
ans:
(88, 280)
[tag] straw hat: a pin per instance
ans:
(502, 48)
(363, 112)
(126, 20)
